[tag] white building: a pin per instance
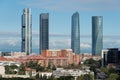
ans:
(104, 57)
(2, 70)
(4, 63)
(48, 74)
(70, 72)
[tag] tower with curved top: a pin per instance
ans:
(75, 33)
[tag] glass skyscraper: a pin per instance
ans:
(26, 31)
(97, 35)
(75, 33)
(44, 31)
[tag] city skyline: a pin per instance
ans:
(60, 22)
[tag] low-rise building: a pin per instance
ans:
(2, 70)
(48, 74)
(70, 72)
(60, 57)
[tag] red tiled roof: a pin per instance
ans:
(56, 57)
(35, 57)
(3, 59)
(7, 59)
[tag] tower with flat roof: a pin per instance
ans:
(44, 31)
(26, 32)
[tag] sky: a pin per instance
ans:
(60, 12)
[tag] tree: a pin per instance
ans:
(70, 66)
(39, 68)
(88, 77)
(52, 78)
(37, 76)
(40, 77)
(53, 67)
(111, 70)
(32, 64)
(80, 77)
(44, 77)
(22, 69)
(96, 63)
(13, 66)
(105, 70)
(66, 78)
(7, 68)
(35, 65)
(113, 76)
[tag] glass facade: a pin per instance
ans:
(26, 32)
(112, 56)
(44, 31)
(75, 34)
(97, 35)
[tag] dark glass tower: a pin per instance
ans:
(44, 31)
(75, 33)
(26, 32)
(97, 35)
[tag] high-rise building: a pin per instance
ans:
(44, 31)
(97, 35)
(75, 33)
(26, 31)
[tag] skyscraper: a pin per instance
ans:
(97, 35)
(44, 31)
(75, 34)
(26, 32)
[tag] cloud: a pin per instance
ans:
(9, 42)
(68, 5)
(85, 45)
(66, 43)
(35, 34)
(112, 43)
(9, 34)
(12, 41)
(60, 44)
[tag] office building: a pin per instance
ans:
(44, 31)
(110, 56)
(75, 33)
(26, 32)
(97, 35)
(104, 57)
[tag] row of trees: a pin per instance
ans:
(82, 77)
(38, 67)
(16, 79)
